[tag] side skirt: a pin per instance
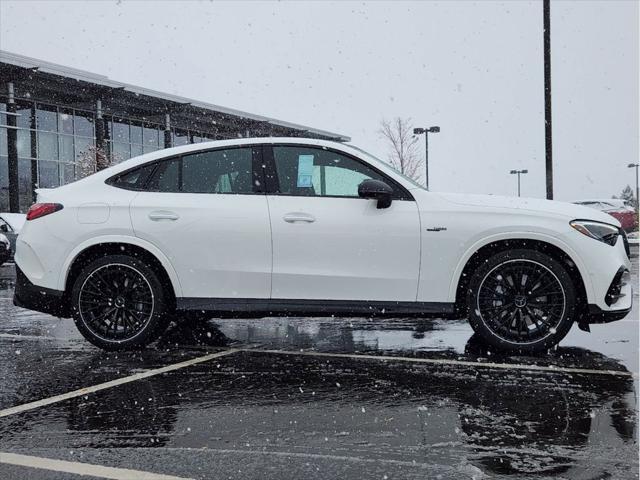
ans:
(258, 307)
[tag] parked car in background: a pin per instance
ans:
(291, 226)
(10, 226)
(617, 208)
(5, 249)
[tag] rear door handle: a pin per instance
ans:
(163, 215)
(294, 217)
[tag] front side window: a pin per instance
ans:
(309, 171)
(218, 171)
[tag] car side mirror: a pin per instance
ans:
(377, 190)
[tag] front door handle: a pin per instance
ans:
(163, 215)
(294, 217)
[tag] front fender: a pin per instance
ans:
(520, 235)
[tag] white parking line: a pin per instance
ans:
(439, 361)
(85, 469)
(113, 383)
(16, 336)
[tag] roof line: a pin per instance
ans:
(82, 75)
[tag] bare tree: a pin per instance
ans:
(403, 150)
(92, 160)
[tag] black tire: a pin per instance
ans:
(521, 301)
(119, 303)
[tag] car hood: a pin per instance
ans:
(569, 211)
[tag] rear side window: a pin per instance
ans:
(218, 171)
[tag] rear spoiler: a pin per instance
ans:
(41, 193)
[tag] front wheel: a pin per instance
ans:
(119, 303)
(521, 301)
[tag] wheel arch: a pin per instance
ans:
(99, 247)
(486, 248)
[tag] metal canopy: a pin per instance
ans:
(45, 80)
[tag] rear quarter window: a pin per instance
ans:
(135, 179)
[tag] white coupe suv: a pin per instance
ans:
(290, 226)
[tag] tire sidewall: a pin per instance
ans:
(563, 327)
(154, 326)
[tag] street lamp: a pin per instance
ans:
(636, 165)
(426, 131)
(518, 172)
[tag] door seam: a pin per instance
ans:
(271, 241)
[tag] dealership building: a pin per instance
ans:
(53, 117)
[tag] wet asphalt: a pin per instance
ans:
(318, 399)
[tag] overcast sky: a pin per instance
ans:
(473, 68)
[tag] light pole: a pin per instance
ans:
(426, 131)
(636, 165)
(548, 131)
(518, 172)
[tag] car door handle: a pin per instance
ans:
(163, 215)
(294, 217)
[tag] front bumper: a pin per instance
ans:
(619, 298)
(40, 299)
(596, 315)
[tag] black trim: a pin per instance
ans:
(5, 254)
(256, 307)
(399, 191)
(40, 299)
(596, 315)
(257, 170)
(256, 151)
(625, 241)
(271, 175)
(613, 292)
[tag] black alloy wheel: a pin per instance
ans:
(521, 300)
(119, 303)
(116, 301)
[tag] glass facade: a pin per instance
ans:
(53, 139)
(50, 141)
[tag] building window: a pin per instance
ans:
(3, 116)
(180, 137)
(130, 138)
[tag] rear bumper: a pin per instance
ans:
(40, 299)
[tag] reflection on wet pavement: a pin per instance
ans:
(506, 423)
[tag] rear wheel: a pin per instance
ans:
(119, 303)
(521, 301)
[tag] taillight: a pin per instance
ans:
(38, 210)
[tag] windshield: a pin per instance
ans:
(388, 165)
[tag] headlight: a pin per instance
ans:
(600, 231)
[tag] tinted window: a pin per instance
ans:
(219, 171)
(133, 179)
(166, 177)
(317, 172)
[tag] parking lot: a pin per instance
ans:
(314, 398)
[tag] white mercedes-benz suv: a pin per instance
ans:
(291, 226)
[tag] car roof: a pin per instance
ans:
(15, 220)
(195, 147)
